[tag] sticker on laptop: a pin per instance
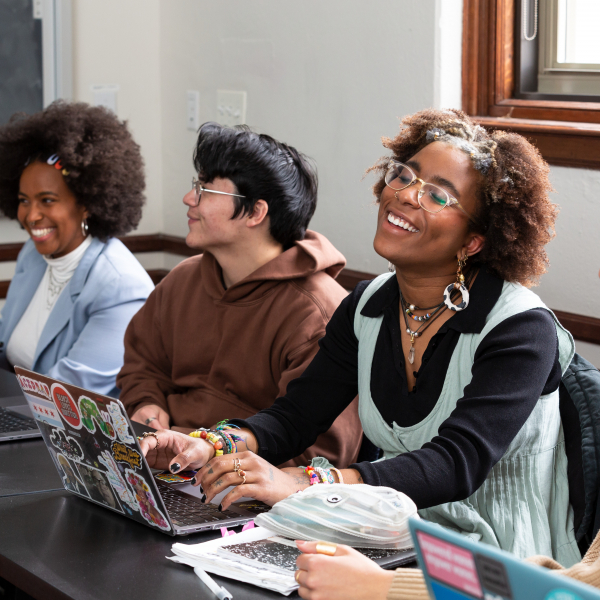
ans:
(68, 475)
(120, 423)
(116, 480)
(145, 500)
(130, 456)
(66, 405)
(44, 411)
(562, 595)
(90, 412)
(66, 444)
(98, 487)
(182, 477)
(31, 385)
(450, 564)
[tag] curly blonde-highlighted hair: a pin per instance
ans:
(514, 212)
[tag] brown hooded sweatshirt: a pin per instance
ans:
(205, 353)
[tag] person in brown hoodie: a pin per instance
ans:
(225, 332)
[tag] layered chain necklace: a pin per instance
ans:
(408, 310)
(55, 287)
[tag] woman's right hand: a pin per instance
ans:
(175, 451)
(158, 417)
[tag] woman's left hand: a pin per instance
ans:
(347, 575)
(262, 482)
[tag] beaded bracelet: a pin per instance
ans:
(339, 474)
(318, 475)
(211, 437)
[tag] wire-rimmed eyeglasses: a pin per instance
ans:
(198, 189)
(431, 198)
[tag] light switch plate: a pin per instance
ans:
(193, 110)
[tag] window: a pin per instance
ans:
(557, 50)
(499, 91)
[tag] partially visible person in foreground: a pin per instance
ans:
(457, 364)
(225, 332)
(349, 575)
(74, 178)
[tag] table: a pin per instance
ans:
(56, 546)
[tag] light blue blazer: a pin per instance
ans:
(82, 341)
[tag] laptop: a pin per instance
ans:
(98, 457)
(16, 422)
(457, 568)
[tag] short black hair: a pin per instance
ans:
(261, 168)
(104, 164)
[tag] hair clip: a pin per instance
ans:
(65, 172)
(53, 159)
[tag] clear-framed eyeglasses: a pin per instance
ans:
(431, 198)
(198, 189)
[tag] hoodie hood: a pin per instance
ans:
(314, 254)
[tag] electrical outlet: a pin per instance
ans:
(105, 95)
(231, 107)
(193, 110)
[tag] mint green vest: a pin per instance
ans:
(523, 505)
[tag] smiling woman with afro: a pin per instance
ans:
(74, 178)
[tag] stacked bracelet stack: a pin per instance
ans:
(318, 475)
(223, 439)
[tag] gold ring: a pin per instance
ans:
(297, 576)
(327, 548)
(151, 433)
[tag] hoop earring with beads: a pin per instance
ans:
(460, 286)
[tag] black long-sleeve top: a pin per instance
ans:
(514, 365)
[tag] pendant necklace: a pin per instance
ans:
(407, 309)
(426, 320)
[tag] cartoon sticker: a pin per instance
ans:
(45, 412)
(90, 413)
(98, 487)
(66, 444)
(182, 477)
(120, 423)
(70, 480)
(123, 454)
(66, 405)
(116, 480)
(31, 385)
(145, 499)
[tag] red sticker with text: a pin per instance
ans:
(450, 564)
(66, 405)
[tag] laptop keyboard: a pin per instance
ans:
(185, 510)
(10, 421)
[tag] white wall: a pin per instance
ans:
(330, 78)
(118, 42)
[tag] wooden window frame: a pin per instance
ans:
(566, 133)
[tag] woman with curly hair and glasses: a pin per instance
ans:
(456, 362)
(74, 178)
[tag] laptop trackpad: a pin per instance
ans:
(188, 488)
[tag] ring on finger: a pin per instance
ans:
(151, 433)
(327, 548)
(297, 575)
(237, 466)
(242, 474)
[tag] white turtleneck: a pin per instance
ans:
(21, 346)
